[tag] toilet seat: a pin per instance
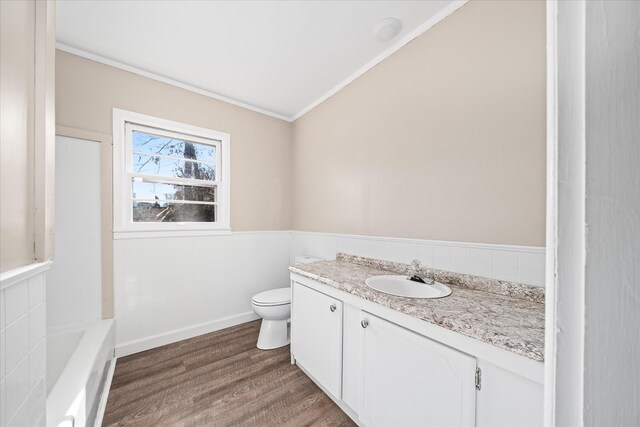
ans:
(273, 297)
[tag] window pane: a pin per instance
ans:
(156, 144)
(162, 166)
(173, 212)
(147, 190)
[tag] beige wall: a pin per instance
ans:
(27, 40)
(443, 140)
(87, 91)
(17, 73)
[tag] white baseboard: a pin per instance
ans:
(147, 343)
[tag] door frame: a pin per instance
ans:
(566, 219)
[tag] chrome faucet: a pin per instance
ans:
(416, 275)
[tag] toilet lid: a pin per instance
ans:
(278, 296)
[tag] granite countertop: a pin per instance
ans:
(511, 320)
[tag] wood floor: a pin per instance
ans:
(218, 379)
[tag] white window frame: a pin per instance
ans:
(124, 122)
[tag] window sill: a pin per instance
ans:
(121, 235)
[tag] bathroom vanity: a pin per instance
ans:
(472, 358)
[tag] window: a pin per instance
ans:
(169, 178)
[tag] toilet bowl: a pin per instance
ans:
(274, 307)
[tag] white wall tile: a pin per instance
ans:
(371, 248)
(2, 310)
(505, 272)
(460, 260)
(348, 246)
(531, 261)
(20, 417)
(16, 342)
(427, 255)
(505, 258)
(320, 246)
(36, 402)
(481, 262)
(3, 406)
(41, 422)
(16, 301)
(36, 290)
(460, 253)
(481, 269)
(21, 370)
(37, 364)
(2, 355)
(401, 251)
(326, 248)
(534, 277)
(481, 256)
(442, 258)
(17, 388)
(37, 325)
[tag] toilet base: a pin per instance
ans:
(273, 334)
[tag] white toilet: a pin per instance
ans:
(274, 306)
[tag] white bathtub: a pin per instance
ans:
(79, 363)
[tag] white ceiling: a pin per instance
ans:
(280, 57)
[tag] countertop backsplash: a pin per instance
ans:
(467, 281)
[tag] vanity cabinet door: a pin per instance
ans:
(410, 380)
(316, 336)
(508, 399)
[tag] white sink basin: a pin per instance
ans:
(403, 287)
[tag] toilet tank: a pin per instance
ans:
(306, 259)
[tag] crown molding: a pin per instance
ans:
(144, 73)
(375, 61)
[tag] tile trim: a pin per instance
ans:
(20, 274)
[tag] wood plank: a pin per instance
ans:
(217, 379)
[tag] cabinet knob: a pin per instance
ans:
(364, 323)
(332, 307)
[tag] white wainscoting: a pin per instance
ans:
(22, 346)
(169, 289)
(523, 264)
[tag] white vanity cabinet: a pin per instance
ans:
(387, 369)
(409, 380)
(316, 336)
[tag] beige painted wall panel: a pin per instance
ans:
(443, 140)
(17, 32)
(87, 91)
